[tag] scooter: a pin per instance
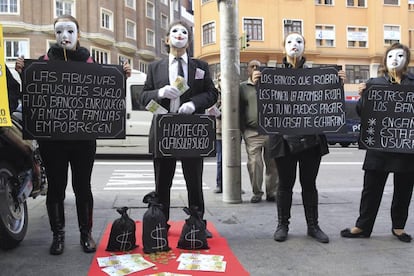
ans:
(22, 175)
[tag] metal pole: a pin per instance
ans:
(172, 2)
(230, 80)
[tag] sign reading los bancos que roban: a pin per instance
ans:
(178, 135)
(73, 101)
(300, 101)
(387, 118)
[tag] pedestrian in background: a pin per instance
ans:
(219, 171)
(379, 164)
(283, 149)
(258, 158)
(57, 155)
(200, 96)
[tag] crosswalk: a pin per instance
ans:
(142, 179)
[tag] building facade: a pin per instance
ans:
(113, 30)
(350, 33)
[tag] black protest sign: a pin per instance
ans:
(73, 101)
(179, 135)
(300, 101)
(387, 118)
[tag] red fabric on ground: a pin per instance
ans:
(218, 246)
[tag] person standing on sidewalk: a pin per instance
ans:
(379, 164)
(313, 147)
(219, 171)
(58, 155)
(256, 144)
(200, 96)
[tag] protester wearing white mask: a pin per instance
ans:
(201, 94)
(379, 164)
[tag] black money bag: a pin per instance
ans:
(193, 235)
(122, 237)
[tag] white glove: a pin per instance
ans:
(187, 108)
(169, 92)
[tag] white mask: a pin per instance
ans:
(66, 34)
(294, 45)
(178, 36)
(396, 59)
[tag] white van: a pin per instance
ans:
(138, 122)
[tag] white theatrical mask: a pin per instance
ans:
(396, 60)
(66, 34)
(294, 45)
(178, 36)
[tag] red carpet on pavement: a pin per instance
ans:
(168, 263)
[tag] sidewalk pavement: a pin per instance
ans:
(249, 231)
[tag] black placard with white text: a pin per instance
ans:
(387, 119)
(300, 101)
(179, 135)
(73, 101)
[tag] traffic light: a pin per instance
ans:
(244, 41)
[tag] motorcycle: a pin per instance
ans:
(22, 175)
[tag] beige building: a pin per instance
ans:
(113, 30)
(350, 33)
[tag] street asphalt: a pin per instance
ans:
(248, 229)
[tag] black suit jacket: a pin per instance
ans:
(202, 91)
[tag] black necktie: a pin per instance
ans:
(180, 70)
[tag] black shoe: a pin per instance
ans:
(58, 244)
(281, 233)
(256, 199)
(316, 233)
(217, 190)
(270, 198)
(404, 237)
(346, 233)
(87, 243)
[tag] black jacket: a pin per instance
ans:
(277, 143)
(381, 160)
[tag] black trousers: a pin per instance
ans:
(374, 183)
(193, 174)
(57, 156)
(309, 161)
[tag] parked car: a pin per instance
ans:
(353, 124)
(138, 121)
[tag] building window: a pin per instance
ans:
(64, 7)
(143, 66)
(357, 73)
(392, 2)
(150, 10)
(325, 36)
(9, 7)
(165, 2)
(122, 59)
(411, 39)
(16, 48)
(356, 3)
(254, 28)
(130, 4)
(209, 33)
(325, 2)
(164, 21)
(107, 19)
(150, 38)
(130, 29)
(292, 26)
(392, 34)
(100, 55)
(357, 37)
(205, 1)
